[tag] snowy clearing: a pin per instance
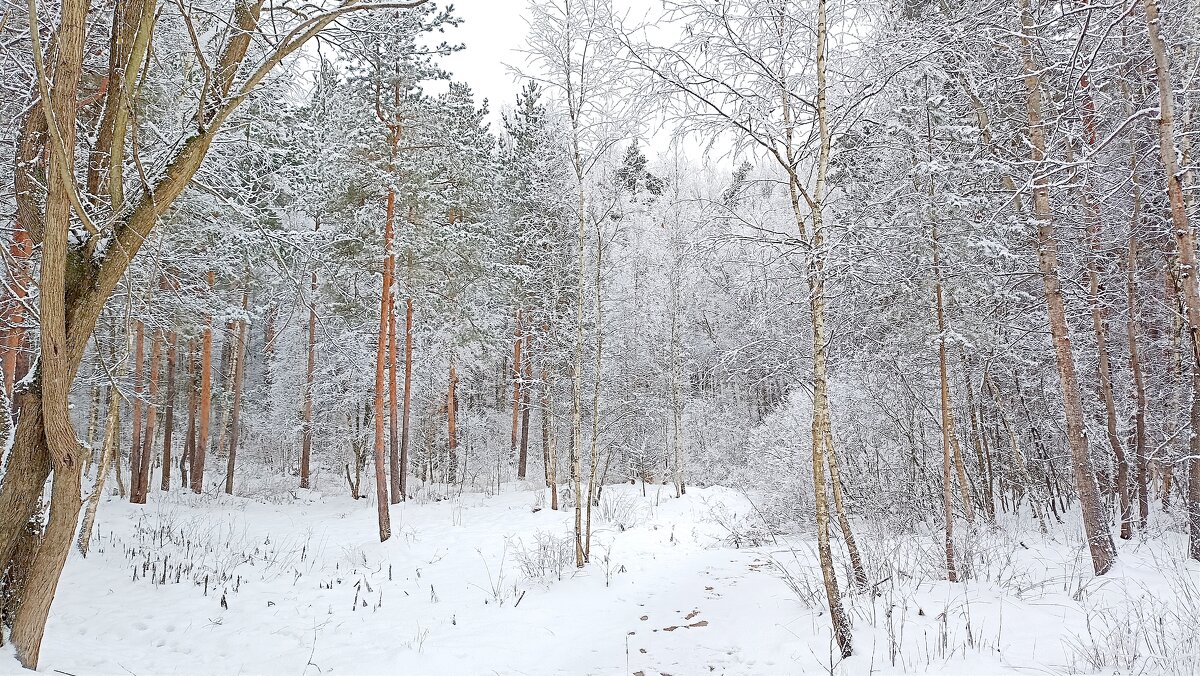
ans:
(470, 585)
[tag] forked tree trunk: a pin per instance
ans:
(169, 414)
(29, 624)
(1095, 519)
(1185, 242)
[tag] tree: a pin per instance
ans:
(76, 275)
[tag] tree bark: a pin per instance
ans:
(397, 494)
(135, 445)
(1095, 520)
(108, 451)
(141, 488)
(381, 485)
(309, 371)
(549, 451)
(169, 414)
(948, 437)
(516, 398)
(188, 459)
(407, 406)
(1185, 242)
(523, 455)
(239, 370)
(201, 448)
(451, 423)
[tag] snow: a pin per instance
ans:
(310, 590)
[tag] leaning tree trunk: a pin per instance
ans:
(109, 447)
(1095, 520)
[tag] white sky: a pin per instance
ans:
(493, 32)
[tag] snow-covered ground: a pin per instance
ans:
(470, 585)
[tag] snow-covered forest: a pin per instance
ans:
(741, 337)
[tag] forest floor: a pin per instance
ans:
(471, 585)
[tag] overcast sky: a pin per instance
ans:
(494, 32)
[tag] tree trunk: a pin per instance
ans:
(169, 414)
(549, 451)
(676, 376)
(188, 459)
(239, 370)
(201, 448)
(141, 488)
(1091, 204)
(1185, 242)
(309, 371)
(516, 398)
(19, 251)
(451, 424)
(948, 438)
(29, 624)
(92, 425)
(980, 442)
(407, 406)
(843, 517)
(594, 463)
(1095, 520)
(523, 455)
(393, 413)
(381, 484)
(26, 467)
(135, 445)
(108, 451)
